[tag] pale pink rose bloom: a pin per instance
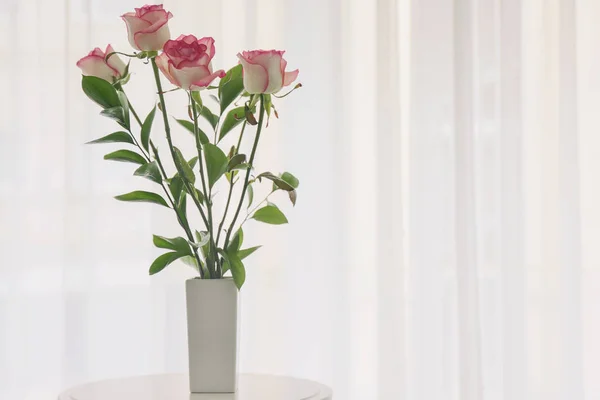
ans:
(148, 27)
(186, 62)
(94, 64)
(264, 71)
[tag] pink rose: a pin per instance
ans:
(94, 64)
(186, 62)
(148, 27)
(264, 71)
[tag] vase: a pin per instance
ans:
(212, 319)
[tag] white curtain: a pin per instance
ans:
(445, 240)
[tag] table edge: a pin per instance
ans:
(325, 392)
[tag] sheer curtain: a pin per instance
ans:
(444, 245)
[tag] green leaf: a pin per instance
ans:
(178, 244)
(115, 137)
(193, 161)
(225, 264)
(202, 238)
(250, 192)
(231, 86)
(117, 114)
(190, 128)
(182, 206)
(100, 91)
(233, 118)
(197, 98)
(183, 165)
(212, 119)
(236, 266)
(268, 103)
(216, 162)
(231, 175)
(125, 104)
(277, 181)
(191, 261)
(235, 161)
(187, 124)
(176, 188)
(293, 195)
(236, 241)
(147, 128)
(237, 270)
(290, 179)
(215, 98)
(125, 156)
(125, 75)
(162, 261)
(242, 166)
(149, 171)
(199, 195)
(270, 214)
(246, 252)
(143, 196)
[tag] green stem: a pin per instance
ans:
(180, 219)
(237, 150)
(239, 143)
(158, 161)
(135, 115)
(190, 189)
(256, 207)
(213, 253)
(248, 170)
(226, 209)
(146, 156)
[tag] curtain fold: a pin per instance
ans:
(444, 244)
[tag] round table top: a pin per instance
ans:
(176, 387)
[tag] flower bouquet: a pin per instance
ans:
(215, 251)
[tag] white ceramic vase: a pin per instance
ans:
(212, 317)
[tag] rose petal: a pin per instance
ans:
(256, 77)
(96, 52)
(204, 82)
(134, 24)
(251, 55)
(162, 61)
(140, 12)
(95, 66)
(155, 16)
(289, 77)
(189, 39)
(271, 61)
(153, 38)
(209, 42)
(115, 61)
(187, 76)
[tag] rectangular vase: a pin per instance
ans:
(212, 319)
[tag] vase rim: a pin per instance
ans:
(197, 278)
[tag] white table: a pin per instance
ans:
(175, 387)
